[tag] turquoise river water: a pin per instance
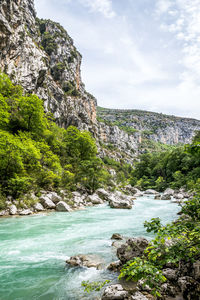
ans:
(33, 249)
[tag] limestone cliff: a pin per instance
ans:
(135, 131)
(40, 55)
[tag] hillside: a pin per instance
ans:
(148, 130)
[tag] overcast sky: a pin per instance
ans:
(140, 54)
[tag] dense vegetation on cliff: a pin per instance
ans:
(35, 153)
(174, 168)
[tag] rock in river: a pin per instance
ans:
(133, 247)
(89, 261)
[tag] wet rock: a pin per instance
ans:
(114, 292)
(63, 206)
(94, 199)
(13, 210)
(38, 207)
(89, 261)
(117, 236)
(133, 247)
(46, 202)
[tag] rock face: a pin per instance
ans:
(40, 55)
(145, 125)
(133, 247)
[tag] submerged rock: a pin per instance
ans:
(89, 261)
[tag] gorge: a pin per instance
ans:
(73, 173)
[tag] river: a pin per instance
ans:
(33, 249)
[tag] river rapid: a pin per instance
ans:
(33, 249)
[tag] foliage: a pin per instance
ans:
(174, 242)
(94, 285)
(35, 153)
(175, 168)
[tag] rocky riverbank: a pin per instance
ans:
(182, 281)
(63, 201)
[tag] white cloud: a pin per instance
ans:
(163, 6)
(102, 6)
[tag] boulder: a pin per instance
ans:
(133, 247)
(166, 197)
(38, 207)
(25, 212)
(46, 202)
(117, 236)
(130, 189)
(168, 289)
(4, 213)
(115, 266)
(179, 196)
(168, 191)
(94, 199)
(89, 261)
(13, 210)
(63, 206)
(157, 197)
(103, 194)
(150, 192)
(139, 193)
(170, 274)
(138, 296)
(53, 196)
(119, 200)
(114, 292)
(122, 204)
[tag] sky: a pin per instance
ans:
(137, 54)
